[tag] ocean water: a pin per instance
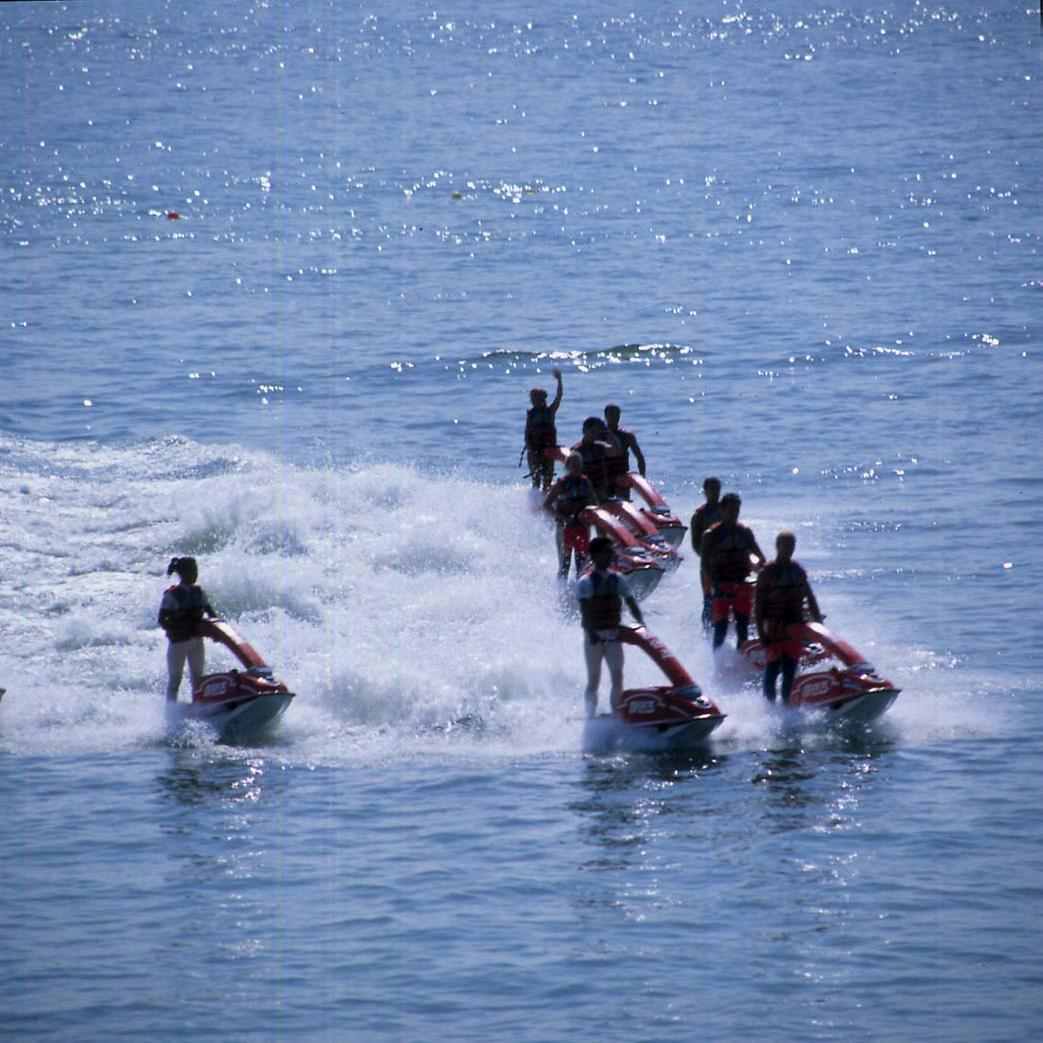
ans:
(277, 280)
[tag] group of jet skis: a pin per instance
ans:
(599, 493)
(826, 676)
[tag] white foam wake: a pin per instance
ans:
(408, 610)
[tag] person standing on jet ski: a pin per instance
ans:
(601, 594)
(183, 606)
(569, 496)
(618, 465)
(782, 591)
(541, 434)
(598, 447)
(726, 549)
(705, 515)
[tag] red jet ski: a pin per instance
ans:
(676, 716)
(847, 687)
(238, 703)
(643, 568)
(643, 530)
(656, 509)
(656, 513)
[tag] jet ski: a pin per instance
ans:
(238, 703)
(656, 513)
(656, 509)
(846, 688)
(642, 567)
(676, 716)
(644, 531)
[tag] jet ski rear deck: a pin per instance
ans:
(238, 703)
(677, 716)
(851, 691)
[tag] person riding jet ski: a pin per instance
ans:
(601, 594)
(183, 607)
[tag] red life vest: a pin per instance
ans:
(604, 606)
(192, 603)
(576, 494)
(727, 552)
(782, 592)
(540, 431)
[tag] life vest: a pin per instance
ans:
(729, 552)
(576, 494)
(782, 594)
(540, 431)
(595, 464)
(191, 604)
(620, 464)
(605, 605)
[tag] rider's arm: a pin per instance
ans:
(584, 589)
(167, 608)
(638, 455)
(706, 545)
(757, 552)
(758, 603)
(552, 495)
(630, 601)
(695, 531)
(557, 398)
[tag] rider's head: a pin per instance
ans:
(538, 396)
(612, 414)
(593, 426)
(785, 544)
(602, 552)
(574, 464)
(186, 568)
(712, 488)
(730, 504)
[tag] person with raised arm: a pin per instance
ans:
(541, 433)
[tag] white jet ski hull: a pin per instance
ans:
(607, 731)
(241, 718)
(864, 708)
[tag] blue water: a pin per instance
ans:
(799, 246)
